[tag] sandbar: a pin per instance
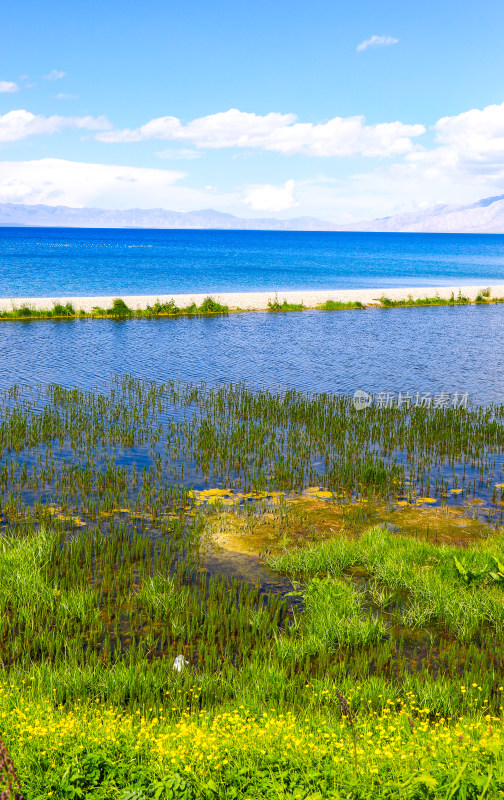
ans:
(255, 301)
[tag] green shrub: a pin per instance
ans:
(119, 308)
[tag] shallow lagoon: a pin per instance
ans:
(417, 349)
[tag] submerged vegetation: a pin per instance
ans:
(361, 653)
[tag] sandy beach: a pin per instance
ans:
(254, 301)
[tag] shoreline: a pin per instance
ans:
(257, 301)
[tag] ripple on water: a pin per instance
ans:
(416, 349)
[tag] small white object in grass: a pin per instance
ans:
(179, 663)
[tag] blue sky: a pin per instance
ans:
(336, 110)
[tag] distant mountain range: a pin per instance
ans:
(485, 216)
(16, 214)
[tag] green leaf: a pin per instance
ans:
(460, 567)
(500, 566)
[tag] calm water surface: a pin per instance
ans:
(48, 262)
(416, 349)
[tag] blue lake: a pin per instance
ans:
(415, 349)
(431, 349)
(42, 262)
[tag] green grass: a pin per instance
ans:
(105, 579)
(436, 591)
(336, 305)
(118, 310)
(275, 305)
(58, 311)
(436, 300)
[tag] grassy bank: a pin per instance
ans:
(118, 310)
(125, 514)
(436, 300)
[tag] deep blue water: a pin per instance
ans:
(433, 349)
(41, 262)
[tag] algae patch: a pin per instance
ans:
(266, 528)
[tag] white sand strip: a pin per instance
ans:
(254, 301)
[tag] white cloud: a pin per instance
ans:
(55, 75)
(267, 197)
(179, 155)
(63, 96)
(281, 133)
(8, 86)
(469, 145)
(54, 181)
(376, 41)
(19, 124)
(462, 162)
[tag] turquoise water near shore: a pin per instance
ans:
(53, 262)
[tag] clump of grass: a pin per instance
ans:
(66, 310)
(170, 308)
(334, 617)
(211, 306)
(436, 300)
(118, 310)
(208, 307)
(336, 305)
(484, 297)
(433, 578)
(28, 312)
(275, 305)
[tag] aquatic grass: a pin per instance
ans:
(58, 311)
(334, 617)
(209, 306)
(24, 568)
(425, 570)
(107, 499)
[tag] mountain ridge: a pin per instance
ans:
(484, 216)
